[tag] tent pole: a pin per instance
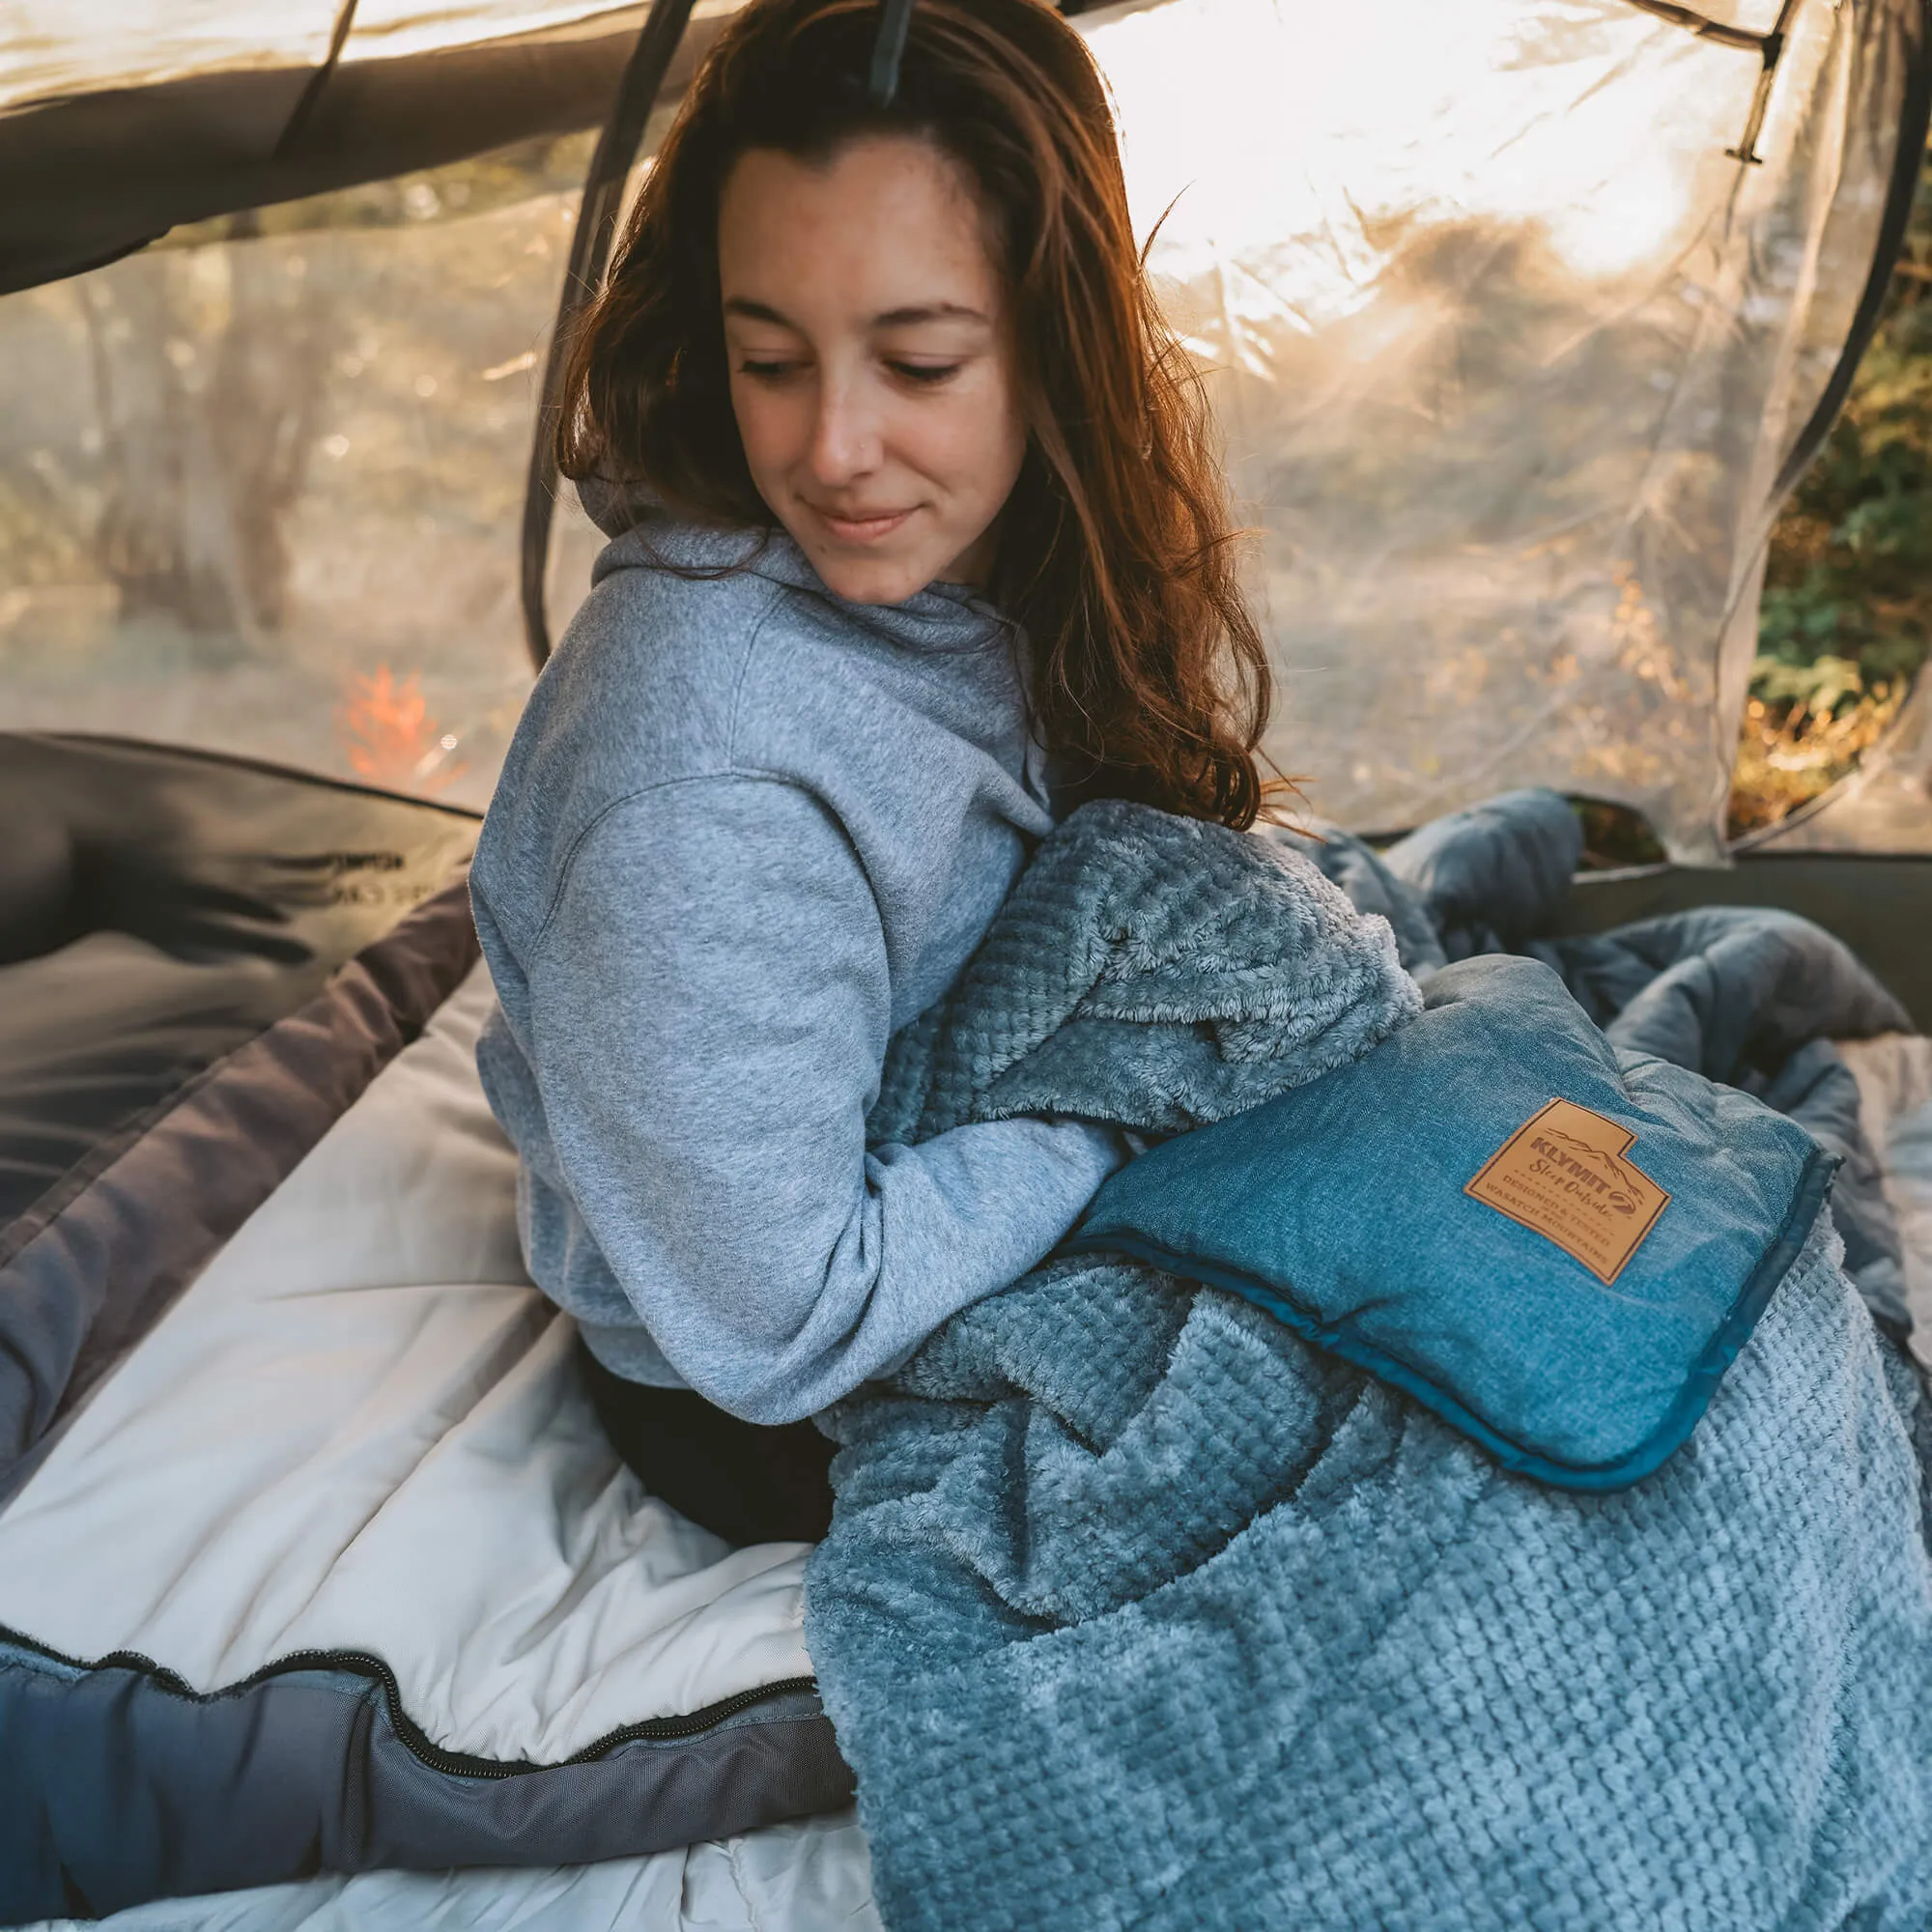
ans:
(589, 251)
(1907, 164)
(318, 82)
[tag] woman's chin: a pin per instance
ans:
(871, 580)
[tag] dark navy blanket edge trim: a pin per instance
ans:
(1686, 1410)
(374, 1671)
(119, 1789)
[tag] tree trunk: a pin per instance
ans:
(207, 385)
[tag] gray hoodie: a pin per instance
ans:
(746, 831)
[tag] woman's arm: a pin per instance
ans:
(709, 1008)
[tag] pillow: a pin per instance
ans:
(1556, 1246)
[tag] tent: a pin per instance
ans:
(1520, 317)
(1518, 341)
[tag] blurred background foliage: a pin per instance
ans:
(1847, 613)
(262, 480)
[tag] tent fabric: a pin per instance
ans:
(53, 55)
(157, 909)
(1509, 350)
(337, 1565)
(111, 138)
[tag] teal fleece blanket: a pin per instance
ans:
(1140, 1607)
(1462, 1213)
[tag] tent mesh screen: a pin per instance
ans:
(1507, 349)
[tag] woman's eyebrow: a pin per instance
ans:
(893, 318)
(755, 311)
(901, 318)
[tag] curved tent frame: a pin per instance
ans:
(96, 171)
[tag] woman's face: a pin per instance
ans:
(871, 361)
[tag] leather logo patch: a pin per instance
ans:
(1564, 1175)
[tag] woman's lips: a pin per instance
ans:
(861, 528)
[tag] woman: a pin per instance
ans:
(917, 539)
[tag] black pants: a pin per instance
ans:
(747, 1483)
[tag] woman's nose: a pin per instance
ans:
(845, 438)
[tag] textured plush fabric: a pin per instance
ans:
(1152, 971)
(1740, 994)
(1139, 1610)
(1484, 1318)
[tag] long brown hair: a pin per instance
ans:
(1148, 677)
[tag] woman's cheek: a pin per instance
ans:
(998, 435)
(762, 427)
(970, 449)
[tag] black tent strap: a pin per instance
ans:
(1714, 30)
(589, 251)
(304, 108)
(1774, 47)
(1768, 45)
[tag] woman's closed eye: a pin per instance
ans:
(783, 368)
(924, 375)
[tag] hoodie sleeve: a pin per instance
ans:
(709, 1008)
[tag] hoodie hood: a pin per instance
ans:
(634, 517)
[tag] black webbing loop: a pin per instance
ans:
(589, 251)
